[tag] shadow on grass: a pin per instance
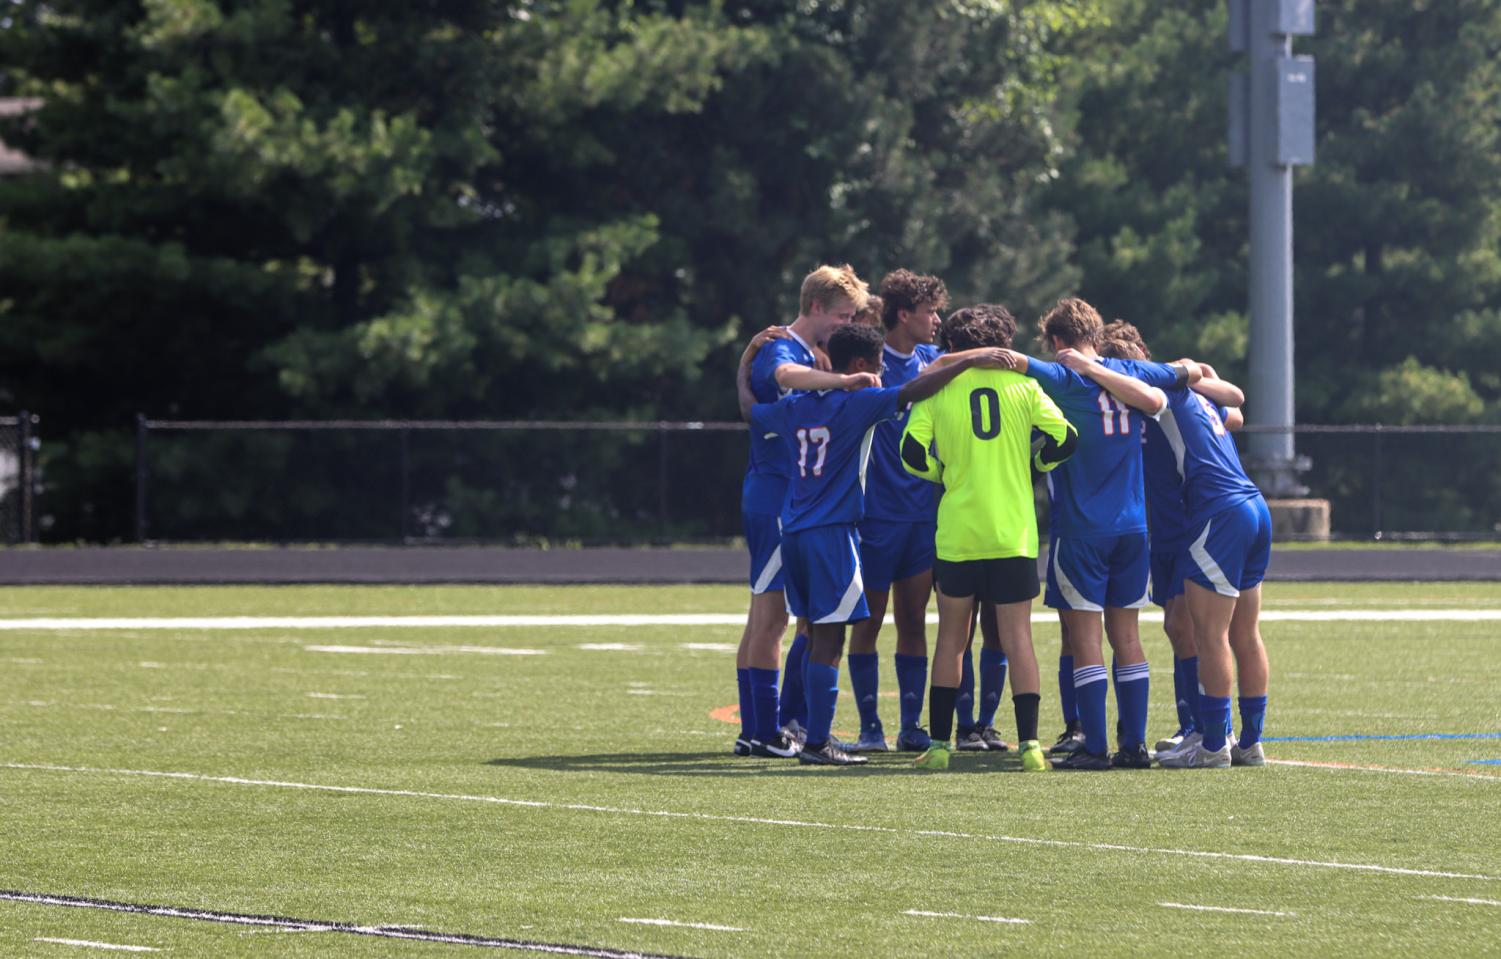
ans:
(724, 764)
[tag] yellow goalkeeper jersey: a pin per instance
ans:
(975, 436)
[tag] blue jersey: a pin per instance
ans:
(1098, 491)
(765, 485)
(1167, 517)
(827, 435)
(892, 493)
(1203, 455)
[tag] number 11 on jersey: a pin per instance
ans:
(1109, 408)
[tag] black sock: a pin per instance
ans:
(1026, 715)
(941, 711)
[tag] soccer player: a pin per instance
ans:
(827, 434)
(829, 298)
(975, 437)
(1230, 539)
(871, 315)
(1167, 526)
(1098, 557)
(896, 535)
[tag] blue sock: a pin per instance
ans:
(1132, 686)
(964, 703)
(1180, 698)
(1214, 720)
(865, 673)
(1252, 719)
(1191, 692)
(804, 708)
(747, 704)
(992, 681)
(823, 697)
(912, 682)
(1089, 693)
(1066, 690)
(764, 703)
(791, 706)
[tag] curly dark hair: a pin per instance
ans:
(1123, 341)
(987, 324)
(854, 340)
(904, 290)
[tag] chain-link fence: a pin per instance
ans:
(18, 479)
(524, 482)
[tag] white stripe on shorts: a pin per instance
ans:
(1209, 567)
(852, 594)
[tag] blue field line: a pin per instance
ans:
(1354, 738)
(1485, 762)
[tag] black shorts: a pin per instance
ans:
(1009, 580)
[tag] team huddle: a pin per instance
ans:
(889, 463)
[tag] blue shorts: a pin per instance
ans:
(1090, 574)
(1231, 551)
(1167, 574)
(821, 575)
(891, 551)
(763, 535)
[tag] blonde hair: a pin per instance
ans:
(827, 283)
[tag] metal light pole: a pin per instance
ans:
(1271, 131)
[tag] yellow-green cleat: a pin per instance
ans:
(936, 756)
(1033, 760)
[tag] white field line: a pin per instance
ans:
(215, 623)
(1473, 902)
(757, 821)
(95, 945)
(957, 915)
(684, 925)
(1350, 767)
(426, 650)
(1251, 912)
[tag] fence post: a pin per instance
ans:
(141, 430)
(1376, 482)
(662, 477)
(26, 466)
(406, 484)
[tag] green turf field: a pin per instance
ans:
(548, 783)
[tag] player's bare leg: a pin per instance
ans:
(1211, 614)
(1130, 676)
(1013, 623)
(1251, 672)
(1178, 626)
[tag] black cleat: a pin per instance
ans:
(781, 746)
(993, 740)
(1132, 757)
(1069, 741)
(829, 754)
(1082, 760)
(742, 746)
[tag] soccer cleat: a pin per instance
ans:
(829, 754)
(1252, 755)
(913, 739)
(1169, 743)
(935, 757)
(742, 746)
(1196, 757)
(871, 741)
(782, 746)
(794, 730)
(1070, 740)
(1082, 759)
(1033, 760)
(1188, 742)
(971, 740)
(1132, 757)
(993, 740)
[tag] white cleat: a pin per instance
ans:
(1252, 755)
(1196, 757)
(1184, 742)
(1170, 743)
